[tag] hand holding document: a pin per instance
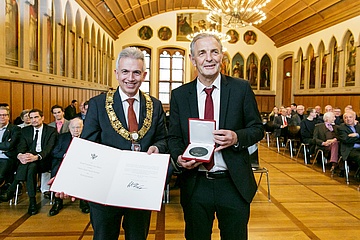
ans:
(110, 176)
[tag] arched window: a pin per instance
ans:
(238, 66)
(12, 33)
(171, 72)
(312, 67)
(252, 70)
(50, 41)
(265, 73)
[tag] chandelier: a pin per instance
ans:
(236, 13)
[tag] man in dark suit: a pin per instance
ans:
(227, 187)
(281, 124)
(34, 153)
(70, 111)
(63, 143)
(9, 138)
(349, 137)
(112, 121)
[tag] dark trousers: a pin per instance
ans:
(220, 197)
(26, 172)
(5, 167)
(106, 221)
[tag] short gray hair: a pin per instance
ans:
(131, 52)
(201, 36)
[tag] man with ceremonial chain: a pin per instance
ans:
(126, 119)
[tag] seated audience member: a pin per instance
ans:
(349, 136)
(325, 138)
(328, 108)
(274, 113)
(298, 116)
(338, 117)
(34, 153)
(64, 140)
(281, 124)
(61, 124)
(9, 138)
(24, 115)
(70, 111)
(307, 127)
(83, 110)
(319, 115)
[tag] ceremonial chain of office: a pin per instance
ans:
(118, 127)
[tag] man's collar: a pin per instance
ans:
(124, 97)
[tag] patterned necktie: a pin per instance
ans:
(132, 122)
(209, 114)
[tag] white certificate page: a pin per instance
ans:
(110, 176)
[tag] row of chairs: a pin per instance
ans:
(304, 148)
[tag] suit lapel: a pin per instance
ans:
(193, 100)
(224, 101)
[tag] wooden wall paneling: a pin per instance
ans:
(38, 96)
(77, 97)
(60, 96)
(354, 101)
(17, 99)
(28, 96)
(47, 104)
(5, 92)
(71, 95)
(53, 96)
(66, 97)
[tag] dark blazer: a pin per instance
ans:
(48, 140)
(238, 112)
(97, 127)
(347, 143)
(278, 121)
(10, 141)
(59, 151)
(321, 134)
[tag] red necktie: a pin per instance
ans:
(132, 122)
(209, 114)
(285, 121)
(209, 105)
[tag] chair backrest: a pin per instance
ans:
(254, 156)
(293, 131)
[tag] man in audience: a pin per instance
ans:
(61, 124)
(34, 153)
(64, 140)
(9, 138)
(281, 124)
(349, 136)
(307, 127)
(326, 140)
(338, 117)
(83, 110)
(70, 111)
(298, 116)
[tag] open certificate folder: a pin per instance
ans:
(110, 176)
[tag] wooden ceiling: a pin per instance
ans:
(287, 20)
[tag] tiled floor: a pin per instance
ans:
(305, 204)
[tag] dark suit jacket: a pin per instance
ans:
(238, 112)
(347, 143)
(48, 140)
(278, 121)
(59, 151)
(321, 134)
(10, 140)
(98, 128)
